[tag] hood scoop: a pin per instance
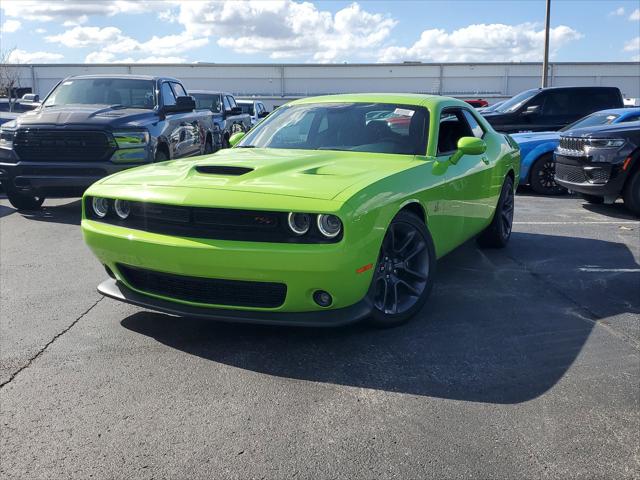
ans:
(223, 170)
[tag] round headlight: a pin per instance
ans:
(329, 225)
(299, 223)
(100, 206)
(122, 208)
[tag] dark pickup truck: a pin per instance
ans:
(95, 125)
(228, 118)
(551, 108)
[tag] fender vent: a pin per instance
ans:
(223, 170)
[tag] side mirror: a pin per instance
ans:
(532, 110)
(263, 114)
(235, 138)
(468, 146)
(183, 104)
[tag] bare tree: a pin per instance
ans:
(9, 77)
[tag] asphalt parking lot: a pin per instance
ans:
(525, 363)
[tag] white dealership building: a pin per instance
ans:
(278, 83)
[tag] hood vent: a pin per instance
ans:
(223, 170)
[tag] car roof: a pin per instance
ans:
(613, 127)
(619, 111)
(209, 92)
(125, 76)
(417, 99)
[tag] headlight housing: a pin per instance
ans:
(604, 142)
(299, 223)
(7, 134)
(100, 206)
(329, 225)
(131, 138)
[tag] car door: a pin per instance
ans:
(194, 135)
(469, 180)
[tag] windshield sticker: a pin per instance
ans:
(404, 112)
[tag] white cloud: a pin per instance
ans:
(10, 26)
(22, 56)
(618, 12)
(482, 43)
(287, 28)
(40, 30)
(635, 15)
(106, 57)
(86, 36)
(632, 45)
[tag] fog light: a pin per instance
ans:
(322, 298)
(100, 206)
(299, 223)
(329, 225)
(122, 208)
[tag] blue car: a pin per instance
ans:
(536, 148)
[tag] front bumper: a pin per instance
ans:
(54, 179)
(581, 175)
(326, 318)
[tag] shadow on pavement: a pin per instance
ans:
(615, 210)
(4, 211)
(67, 213)
(496, 329)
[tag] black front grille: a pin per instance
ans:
(215, 223)
(63, 172)
(42, 145)
(570, 173)
(210, 291)
(572, 143)
(599, 175)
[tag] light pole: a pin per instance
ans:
(545, 62)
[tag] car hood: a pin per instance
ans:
(317, 174)
(521, 138)
(623, 129)
(96, 115)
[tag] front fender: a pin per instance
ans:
(530, 157)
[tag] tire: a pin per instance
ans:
(542, 179)
(631, 193)
(592, 199)
(208, 147)
(498, 233)
(21, 201)
(161, 156)
(225, 142)
(404, 273)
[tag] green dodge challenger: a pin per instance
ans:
(331, 210)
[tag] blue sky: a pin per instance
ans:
(78, 31)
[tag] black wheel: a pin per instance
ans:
(542, 175)
(225, 142)
(161, 156)
(631, 193)
(208, 147)
(23, 201)
(498, 233)
(592, 199)
(404, 273)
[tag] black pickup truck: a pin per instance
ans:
(228, 118)
(95, 125)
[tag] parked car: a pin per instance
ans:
(544, 109)
(602, 163)
(489, 108)
(20, 105)
(227, 117)
(536, 149)
(318, 216)
(254, 108)
(8, 116)
(94, 125)
(477, 102)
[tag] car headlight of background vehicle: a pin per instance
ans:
(605, 142)
(131, 138)
(7, 133)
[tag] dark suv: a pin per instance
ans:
(601, 163)
(544, 109)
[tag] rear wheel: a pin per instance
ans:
(592, 199)
(498, 233)
(404, 273)
(23, 201)
(208, 147)
(542, 176)
(631, 193)
(161, 156)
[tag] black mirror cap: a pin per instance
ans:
(183, 104)
(263, 114)
(235, 111)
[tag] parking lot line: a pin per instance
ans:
(623, 222)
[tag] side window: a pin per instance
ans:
(477, 130)
(168, 98)
(453, 126)
(232, 101)
(179, 89)
(226, 104)
(632, 118)
(259, 108)
(216, 104)
(556, 103)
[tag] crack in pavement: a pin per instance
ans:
(48, 344)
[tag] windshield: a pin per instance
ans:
(207, 101)
(516, 102)
(123, 92)
(358, 127)
(492, 108)
(246, 108)
(592, 120)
